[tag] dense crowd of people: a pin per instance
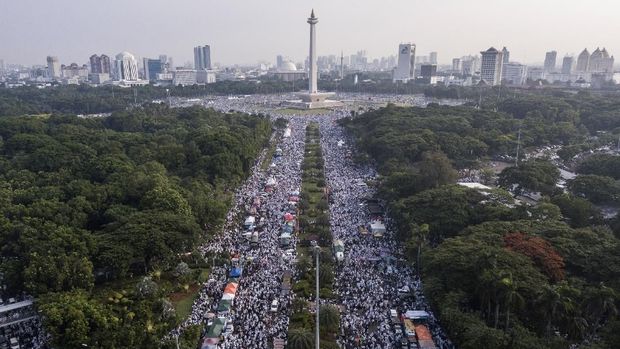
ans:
(367, 282)
(20, 323)
(372, 272)
(263, 263)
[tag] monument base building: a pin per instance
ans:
(314, 101)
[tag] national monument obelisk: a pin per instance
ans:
(312, 73)
(313, 98)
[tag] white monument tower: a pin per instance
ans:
(312, 74)
(313, 98)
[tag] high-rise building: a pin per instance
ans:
(568, 65)
(279, 61)
(202, 57)
(1, 65)
(514, 73)
(100, 64)
(433, 57)
(491, 66)
(583, 61)
(184, 77)
(166, 63)
(601, 62)
(428, 73)
(505, 55)
(152, 67)
(53, 67)
(470, 65)
(406, 63)
(126, 67)
(456, 65)
(550, 61)
(73, 70)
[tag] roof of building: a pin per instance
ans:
(125, 54)
(287, 66)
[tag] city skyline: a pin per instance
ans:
(238, 36)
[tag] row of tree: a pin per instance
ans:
(84, 99)
(501, 274)
(90, 203)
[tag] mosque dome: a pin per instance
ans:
(288, 66)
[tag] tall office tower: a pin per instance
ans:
(53, 67)
(583, 61)
(428, 73)
(95, 64)
(406, 63)
(1, 65)
(467, 67)
(433, 57)
(163, 59)
(550, 61)
(600, 62)
(126, 67)
(505, 55)
(568, 64)
(100, 64)
(514, 73)
(456, 65)
(491, 66)
(202, 57)
(341, 65)
(279, 61)
(105, 64)
(608, 62)
(152, 67)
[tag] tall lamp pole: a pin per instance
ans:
(317, 251)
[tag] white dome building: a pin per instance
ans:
(126, 67)
(287, 66)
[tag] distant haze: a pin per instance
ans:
(248, 31)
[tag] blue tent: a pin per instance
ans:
(236, 272)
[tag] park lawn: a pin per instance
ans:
(182, 300)
(268, 157)
(289, 111)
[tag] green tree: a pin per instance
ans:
(300, 339)
(74, 320)
(534, 175)
(329, 318)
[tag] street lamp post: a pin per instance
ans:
(317, 251)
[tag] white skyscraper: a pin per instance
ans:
(491, 66)
(202, 57)
(126, 67)
(406, 63)
(514, 73)
(550, 61)
(456, 65)
(583, 61)
(433, 57)
(568, 65)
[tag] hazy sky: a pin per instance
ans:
(246, 31)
